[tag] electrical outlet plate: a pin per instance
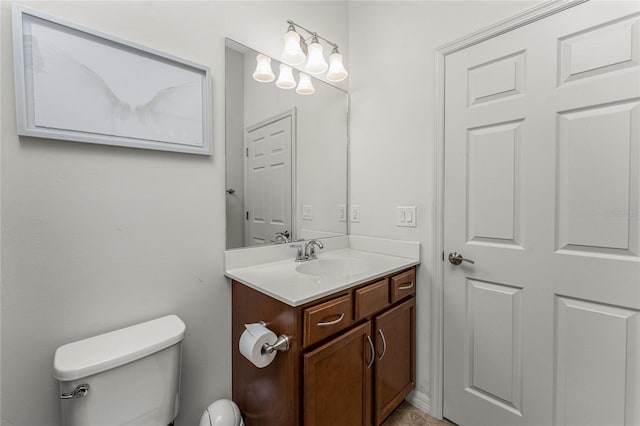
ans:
(406, 216)
(355, 213)
(307, 212)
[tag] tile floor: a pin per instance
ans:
(408, 415)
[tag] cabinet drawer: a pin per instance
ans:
(371, 299)
(327, 318)
(403, 285)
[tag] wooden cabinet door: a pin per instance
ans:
(395, 357)
(337, 380)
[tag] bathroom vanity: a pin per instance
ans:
(351, 359)
(349, 315)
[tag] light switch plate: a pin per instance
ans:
(406, 216)
(307, 212)
(342, 213)
(355, 213)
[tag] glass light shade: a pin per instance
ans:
(285, 79)
(263, 70)
(305, 87)
(292, 53)
(337, 72)
(316, 63)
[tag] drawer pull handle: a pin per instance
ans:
(406, 287)
(373, 352)
(384, 344)
(334, 322)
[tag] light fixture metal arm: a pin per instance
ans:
(314, 34)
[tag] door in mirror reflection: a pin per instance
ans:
(268, 179)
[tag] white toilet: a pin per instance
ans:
(126, 377)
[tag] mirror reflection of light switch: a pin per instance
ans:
(307, 212)
(342, 213)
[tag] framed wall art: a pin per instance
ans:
(77, 84)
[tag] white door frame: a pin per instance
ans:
(437, 289)
(294, 171)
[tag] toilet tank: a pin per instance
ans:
(133, 375)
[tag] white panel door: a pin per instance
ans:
(542, 191)
(268, 180)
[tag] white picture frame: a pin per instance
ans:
(77, 84)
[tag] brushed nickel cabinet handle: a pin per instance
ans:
(325, 324)
(384, 344)
(373, 352)
(406, 287)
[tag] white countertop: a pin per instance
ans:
(280, 280)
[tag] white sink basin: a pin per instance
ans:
(333, 267)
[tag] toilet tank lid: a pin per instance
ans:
(100, 353)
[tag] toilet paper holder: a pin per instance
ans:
(282, 344)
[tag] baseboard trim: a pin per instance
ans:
(420, 400)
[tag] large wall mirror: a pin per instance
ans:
(286, 157)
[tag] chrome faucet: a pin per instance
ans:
(299, 253)
(310, 249)
(282, 237)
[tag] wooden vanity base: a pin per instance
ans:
(328, 376)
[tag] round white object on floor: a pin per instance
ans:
(223, 412)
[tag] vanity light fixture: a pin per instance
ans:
(305, 87)
(337, 71)
(263, 70)
(286, 79)
(297, 49)
(316, 63)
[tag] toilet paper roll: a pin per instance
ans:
(251, 342)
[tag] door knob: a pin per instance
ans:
(456, 259)
(231, 191)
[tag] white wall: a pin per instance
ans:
(96, 237)
(392, 107)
